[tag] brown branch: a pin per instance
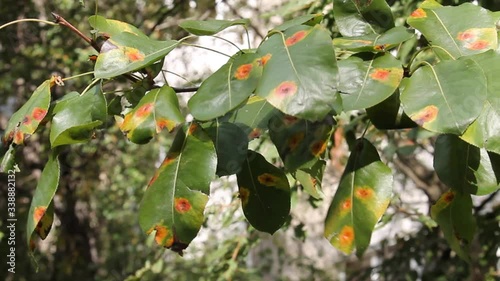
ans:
(60, 20)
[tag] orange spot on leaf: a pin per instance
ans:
(290, 120)
(243, 195)
(426, 115)
(286, 88)
(182, 205)
(255, 133)
(164, 123)
(38, 213)
(478, 45)
(268, 179)
(39, 113)
(346, 236)
(418, 13)
(134, 54)
(296, 37)
(143, 110)
(449, 196)
(380, 74)
(162, 236)
(318, 147)
(243, 71)
(295, 140)
(18, 137)
(192, 128)
(263, 60)
(364, 192)
(169, 159)
(466, 35)
(346, 205)
(153, 179)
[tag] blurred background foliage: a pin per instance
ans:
(96, 235)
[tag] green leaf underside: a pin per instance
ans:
(311, 178)
(368, 79)
(453, 214)
(173, 204)
(389, 114)
(300, 72)
(111, 27)
(474, 33)
(42, 198)
(231, 144)
(464, 167)
(360, 201)
(357, 18)
(264, 192)
(26, 120)
(484, 131)
(157, 110)
(127, 52)
(299, 141)
(227, 88)
(210, 27)
(374, 42)
(447, 97)
(310, 19)
(76, 117)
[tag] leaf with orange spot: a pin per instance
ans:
(110, 27)
(26, 120)
(447, 97)
(157, 110)
(265, 193)
(300, 78)
(228, 87)
(176, 199)
(41, 212)
(362, 197)
(453, 213)
(366, 80)
(311, 178)
(77, 116)
(461, 30)
(299, 142)
(127, 52)
(375, 42)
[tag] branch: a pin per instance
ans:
(60, 20)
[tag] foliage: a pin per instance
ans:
(296, 88)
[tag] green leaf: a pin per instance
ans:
(126, 52)
(389, 114)
(375, 42)
(227, 88)
(8, 160)
(368, 79)
(483, 132)
(157, 110)
(76, 118)
(447, 97)
(461, 31)
(310, 19)
(210, 27)
(231, 144)
(453, 213)
(299, 141)
(361, 199)
(464, 167)
(264, 192)
(113, 27)
(26, 120)
(39, 215)
(300, 72)
(173, 204)
(253, 117)
(357, 18)
(311, 178)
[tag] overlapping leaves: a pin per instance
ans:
(210, 27)
(357, 18)
(374, 42)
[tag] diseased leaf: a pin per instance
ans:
(311, 178)
(453, 213)
(464, 167)
(173, 204)
(264, 192)
(375, 42)
(127, 52)
(25, 121)
(76, 118)
(389, 114)
(7, 161)
(157, 110)
(210, 27)
(40, 216)
(300, 72)
(368, 79)
(357, 18)
(361, 199)
(228, 87)
(447, 97)
(111, 27)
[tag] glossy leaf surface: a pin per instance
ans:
(264, 192)
(361, 199)
(227, 88)
(300, 72)
(111, 27)
(453, 213)
(157, 110)
(173, 204)
(310, 19)
(374, 42)
(464, 167)
(367, 79)
(447, 97)
(76, 117)
(210, 27)
(357, 18)
(389, 114)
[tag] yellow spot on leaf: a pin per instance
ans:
(346, 205)
(143, 111)
(426, 115)
(363, 193)
(418, 13)
(346, 238)
(164, 123)
(134, 54)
